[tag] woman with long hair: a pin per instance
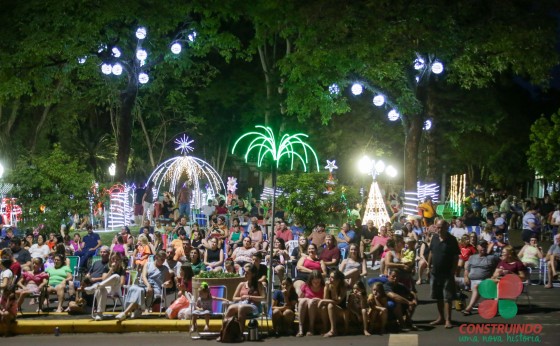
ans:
(509, 264)
(311, 293)
(307, 264)
(247, 296)
(32, 281)
(279, 258)
(354, 266)
(111, 281)
(142, 252)
(284, 302)
(333, 303)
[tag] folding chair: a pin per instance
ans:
(75, 268)
(291, 245)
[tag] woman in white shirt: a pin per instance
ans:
(40, 249)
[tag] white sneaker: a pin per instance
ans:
(90, 289)
(121, 317)
(376, 265)
(98, 317)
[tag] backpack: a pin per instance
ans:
(231, 331)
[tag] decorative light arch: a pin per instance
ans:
(189, 170)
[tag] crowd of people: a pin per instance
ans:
(322, 275)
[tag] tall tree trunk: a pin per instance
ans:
(128, 98)
(413, 133)
(40, 124)
(12, 118)
(147, 137)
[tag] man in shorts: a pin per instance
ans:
(444, 256)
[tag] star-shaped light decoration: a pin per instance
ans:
(184, 145)
(331, 165)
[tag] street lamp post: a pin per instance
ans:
(112, 171)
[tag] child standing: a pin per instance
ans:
(357, 304)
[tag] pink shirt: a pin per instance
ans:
(308, 292)
(379, 240)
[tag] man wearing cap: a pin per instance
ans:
(479, 267)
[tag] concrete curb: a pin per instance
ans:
(87, 325)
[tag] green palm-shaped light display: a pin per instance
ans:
(291, 146)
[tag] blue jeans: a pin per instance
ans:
(185, 209)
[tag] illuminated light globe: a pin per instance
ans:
(116, 52)
(419, 64)
(176, 48)
(143, 78)
(82, 60)
(391, 171)
(196, 173)
(357, 89)
(334, 89)
(141, 54)
(427, 125)
(379, 100)
(117, 69)
(141, 33)
(192, 36)
(393, 115)
(437, 67)
(106, 69)
(365, 165)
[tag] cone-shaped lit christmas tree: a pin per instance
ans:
(375, 207)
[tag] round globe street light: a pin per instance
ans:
(357, 89)
(106, 69)
(117, 69)
(176, 48)
(141, 33)
(379, 100)
(437, 67)
(1, 170)
(375, 167)
(143, 78)
(393, 115)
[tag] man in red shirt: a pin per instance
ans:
(331, 253)
(284, 232)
